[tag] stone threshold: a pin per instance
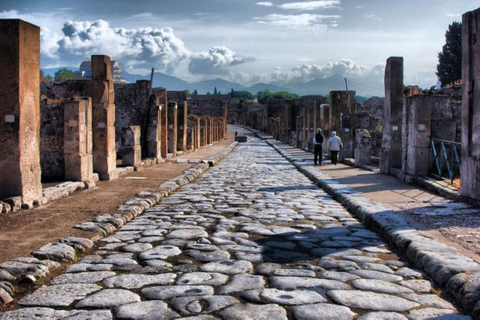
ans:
(457, 274)
(66, 250)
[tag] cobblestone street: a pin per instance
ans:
(252, 238)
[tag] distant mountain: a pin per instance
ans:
(265, 86)
(363, 86)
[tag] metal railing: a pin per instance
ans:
(445, 159)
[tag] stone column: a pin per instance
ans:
(225, 117)
(103, 115)
(391, 152)
(470, 173)
(172, 128)
(163, 100)
(182, 126)
(418, 116)
(20, 111)
(198, 133)
(77, 141)
(363, 147)
(132, 150)
(154, 138)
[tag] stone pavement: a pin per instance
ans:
(252, 238)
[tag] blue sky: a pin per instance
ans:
(246, 41)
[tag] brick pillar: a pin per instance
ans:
(77, 141)
(154, 138)
(20, 111)
(172, 128)
(470, 174)
(417, 129)
(225, 119)
(197, 142)
(204, 132)
(163, 100)
(182, 126)
(132, 150)
(391, 152)
(103, 115)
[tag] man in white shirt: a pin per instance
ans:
(334, 145)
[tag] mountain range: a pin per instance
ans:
(319, 86)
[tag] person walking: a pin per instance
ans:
(318, 139)
(334, 145)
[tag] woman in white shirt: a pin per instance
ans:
(334, 145)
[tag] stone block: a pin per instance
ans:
(363, 146)
(131, 135)
(101, 67)
(14, 202)
(132, 156)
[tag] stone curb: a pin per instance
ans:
(50, 255)
(459, 275)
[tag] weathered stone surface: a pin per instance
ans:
(108, 298)
(83, 277)
(380, 286)
(371, 301)
(137, 247)
(433, 313)
(166, 292)
(321, 311)
(58, 295)
(382, 316)
(34, 313)
(145, 310)
(187, 234)
(251, 311)
(55, 251)
(160, 252)
(228, 267)
(242, 282)
(133, 281)
(298, 283)
(93, 315)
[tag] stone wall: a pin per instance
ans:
(51, 139)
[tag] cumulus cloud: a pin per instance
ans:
(311, 5)
(265, 4)
(215, 61)
(300, 21)
(135, 48)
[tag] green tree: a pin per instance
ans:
(48, 78)
(215, 91)
(63, 74)
(195, 92)
(262, 96)
(449, 68)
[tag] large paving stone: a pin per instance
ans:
(303, 282)
(59, 295)
(187, 234)
(380, 286)
(242, 282)
(371, 301)
(321, 311)
(382, 316)
(205, 278)
(294, 297)
(145, 310)
(166, 292)
(228, 267)
(108, 298)
(133, 281)
(202, 304)
(252, 311)
(160, 252)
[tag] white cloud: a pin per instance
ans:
(454, 15)
(265, 4)
(304, 21)
(311, 5)
(135, 48)
(215, 61)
